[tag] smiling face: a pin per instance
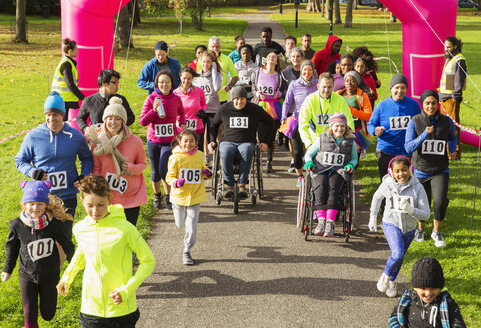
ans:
(246, 55)
(325, 87)
(111, 87)
(206, 64)
(296, 59)
(113, 124)
(290, 44)
(240, 43)
(97, 207)
(54, 121)
(266, 38)
(214, 47)
(338, 129)
(271, 59)
(449, 49)
(400, 172)
(351, 83)
(427, 295)
(346, 65)
(360, 67)
(186, 80)
(398, 91)
(35, 209)
(239, 102)
(199, 52)
(306, 42)
(307, 72)
(430, 106)
(164, 84)
(188, 143)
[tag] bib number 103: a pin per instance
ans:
(117, 185)
(330, 159)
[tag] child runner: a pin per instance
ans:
(406, 204)
(105, 242)
(34, 235)
(332, 159)
(360, 65)
(428, 303)
(186, 174)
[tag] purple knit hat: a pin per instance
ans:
(336, 118)
(35, 191)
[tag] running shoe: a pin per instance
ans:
(229, 193)
(242, 193)
(168, 204)
(383, 283)
(299, 181)
(319, 230)
(438, 239)
(291, 168)
(419, 235)
(187, 258)
(269, 167)
(329, 230)
(391, 289)
(157, 202)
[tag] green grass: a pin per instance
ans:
(461, 258)
(25, 74)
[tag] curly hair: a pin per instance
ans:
(94, 184)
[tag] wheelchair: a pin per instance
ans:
(256, 185)
(306, 208)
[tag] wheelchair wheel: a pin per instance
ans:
(301, 203)
(216, 173)
(353, 203)
(306, 233)
(347, 211)
(235, 198)
(306, 226)
(258, 164)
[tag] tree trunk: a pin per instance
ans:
(393, 18)
(322, 8)
(337, 9)
(313, 5)
(328, 9)
(348, 19)
(123, 28)
(21, 27)
(136, 13)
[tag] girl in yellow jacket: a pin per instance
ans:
(186, 174)
(106, 241)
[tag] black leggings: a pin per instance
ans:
(383, 160)
(125, 321)
(132, 214)
(30, 293)
(298, 149)
(436, 188)
(262, 130)
(327, 190)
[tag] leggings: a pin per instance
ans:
(436, 188)
(132, 214)
(327, 188)
(159, 159)
(399, 244)
(298, 149)
(30, 293)
(262, 130)
(71, 206)
(383, 160)
(125, 321)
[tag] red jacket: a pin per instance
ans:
(371, 84)
(323, 58)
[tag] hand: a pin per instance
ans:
(261, 96)
(453, 156)
(76, 182)
(309, 166)
(226, 88)
(263, 147)
(429, 129)
(349, 168)
(62, 288)
(283, 122)
(125, 165)
(5, 276)
(406, 206)
(372, 224)
(200, 114)
(207, 173)
(179, 183)
(211, 147)
(156, 104)
(115, 296)
(379, 130)
(39, 174)
(183, 127)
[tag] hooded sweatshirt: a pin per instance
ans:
(296, 93)
(324, 57)
(193, 102)
(56, 154)
(210, 82)
(104, 251)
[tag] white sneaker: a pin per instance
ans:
(382, 283)
(319, 230)
(391, 289)
(418, 235)
(329, 230)
(438, 239)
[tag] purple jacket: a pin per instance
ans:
(297, 92)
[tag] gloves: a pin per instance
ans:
(179, 183)
(207, 173)
(38, 174)
(79, 178)
(5, 276)
(372, 224)
(406, 206)
(309, 165)
(349, 167)
(200, 114)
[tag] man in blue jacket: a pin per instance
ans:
(50, 151)
(161, 62)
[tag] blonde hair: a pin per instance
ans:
(55, 209)
(348, 134)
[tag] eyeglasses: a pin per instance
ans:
(114, 82)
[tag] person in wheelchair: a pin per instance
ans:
(331, 160)
(240, 120)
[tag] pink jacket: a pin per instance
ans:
(162, 130)
(193, 103)
(131, 190)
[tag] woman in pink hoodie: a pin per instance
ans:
(119, 156)
(161, 110)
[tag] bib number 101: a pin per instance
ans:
(40, 248)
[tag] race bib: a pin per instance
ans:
(239, 122)
(266, 90)
(191, 124)
(332, 159)
(58, 179)
(204, 84)
(433, 147)
(38, 249)
(394, 202)
(117, 185)
(191, 176)
(399, 122)
(323, 119)
(164, 130)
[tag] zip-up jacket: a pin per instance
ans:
(210, 82)
(150, 70)
(296, 93)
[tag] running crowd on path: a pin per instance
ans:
(320, 105)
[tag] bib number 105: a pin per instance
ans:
(190, 175)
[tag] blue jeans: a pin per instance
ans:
(231, 150)
(399, 244)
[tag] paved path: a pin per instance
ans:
(254, 269)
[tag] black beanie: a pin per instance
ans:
(398, 78)
(427, 273)
(428, 93)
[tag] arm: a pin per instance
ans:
(366, 111)
(270, 123)
(130, 113)
(287, 102)
(12, 249)
(312, 150)
(452, 141)
(180, 113)
(85, 156)
(216, 122)
(67, 73)
(144, 79)
(459, 80)
(97, 162)
(172, 171)
(66, 243)
(421, 210)
(25, 156)
(139, 164)
(82, 116)
(304, 121)
(455, 318)
(393, 321)
(412, 142)
(374, 121)
(381, 193)
(216, 78)
(75, 265)
(147, 115)
(203, 103)
(354, 158)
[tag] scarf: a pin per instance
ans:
(308, 83)
(35, 223)
(443, 309)
(188, 90)
(193, 151)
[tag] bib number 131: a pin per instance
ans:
(239, 122)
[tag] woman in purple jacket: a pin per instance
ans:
(298, 91)
(161, 110)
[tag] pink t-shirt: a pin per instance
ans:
(193, 103)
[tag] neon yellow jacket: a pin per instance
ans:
(315, 113)
(190, 193)
(104, 250)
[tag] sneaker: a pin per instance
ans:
(438, 239)
(299, 181)
(419, 235)
(187, 259)
(229, 193)
(319, 230)
(157, 202)
(269, 167)
(291, 168)
(391, 289)
(168, 204)
(329, 230)
(242, 193)
(382, 283)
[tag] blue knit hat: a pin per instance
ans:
(54, 104)
(161, 45)
(35, 191)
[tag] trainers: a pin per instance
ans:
(419, 235)
(391, 289)
(157, 202)
(268, 167)
(168, 204)
(438, 239)
(319, 230)
(382, 283)
(229, 193)
(187, 259)
(329, 229)
(242, 193)
(291, 168)
(299, 182)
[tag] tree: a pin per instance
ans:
(313, 5)
(180, 8)
(337, 10)
(124, 38)
(348, 19)
(21, 22)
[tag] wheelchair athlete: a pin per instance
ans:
(331, 159)
(239, 119)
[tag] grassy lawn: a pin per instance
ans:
(25, 75)
(461, 259)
